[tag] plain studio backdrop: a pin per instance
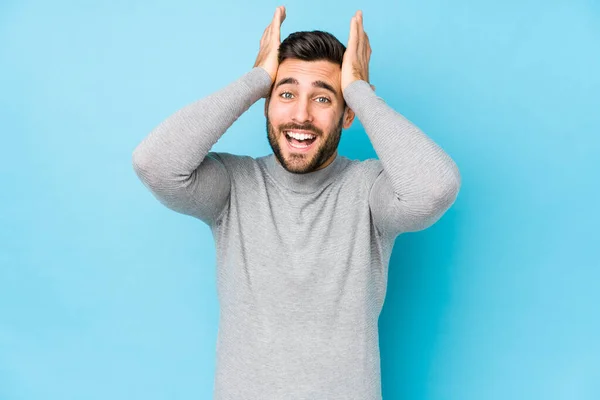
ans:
(107, 294)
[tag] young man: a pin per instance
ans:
(303, 236)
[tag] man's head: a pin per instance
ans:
(306, 98)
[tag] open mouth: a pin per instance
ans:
(300, 141)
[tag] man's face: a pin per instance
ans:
(306, 100)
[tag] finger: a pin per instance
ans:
(361, 28)
(352, 38)
(357, 28)
(279, 16)
(365, 43)
(283, 14)
(264, 35)
(278, 20)
(274, 21)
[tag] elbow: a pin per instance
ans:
(148, 164)
(139, 160)
(156, 173)
(447, 189)
(453, 182)
(140, 170)
(143, 167)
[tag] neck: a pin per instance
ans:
(310, 181)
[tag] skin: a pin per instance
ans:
(304, 105)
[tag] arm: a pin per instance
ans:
(173, 161)
(419, 181)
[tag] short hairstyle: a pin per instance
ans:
(312, 46)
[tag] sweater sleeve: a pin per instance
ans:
(419, 181)
(174, 162)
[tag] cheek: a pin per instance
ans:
(327, 121)
(276, 116)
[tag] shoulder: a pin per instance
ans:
(366, 170)
(238, 166)
(233, 161)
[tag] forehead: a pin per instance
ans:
(306, 72)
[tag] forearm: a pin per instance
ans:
(179, 144)
(420, 172)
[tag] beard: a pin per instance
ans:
(302, 163)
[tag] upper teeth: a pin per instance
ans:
(300, 136)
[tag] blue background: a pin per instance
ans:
(107, 294)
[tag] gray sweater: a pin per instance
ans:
(302, 259)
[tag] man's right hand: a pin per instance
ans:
(269, 44)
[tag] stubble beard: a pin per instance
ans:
(298, 163)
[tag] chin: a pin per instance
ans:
(297, 165)
(298, 162)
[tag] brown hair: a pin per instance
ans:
(312, 46)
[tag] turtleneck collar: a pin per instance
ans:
(304, 183)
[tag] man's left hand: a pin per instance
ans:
(355, 64)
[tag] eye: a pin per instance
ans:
(323, 100)
(285, 95)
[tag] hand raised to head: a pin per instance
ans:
(269, 44)
(355, 64)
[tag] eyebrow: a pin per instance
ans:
(320, 84)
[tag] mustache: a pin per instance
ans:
(306, 127)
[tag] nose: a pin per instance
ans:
(301, 113)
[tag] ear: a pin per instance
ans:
(348, 117)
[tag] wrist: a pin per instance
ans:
(357, 92)
(354, 83)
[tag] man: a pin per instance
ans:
(303, 236)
